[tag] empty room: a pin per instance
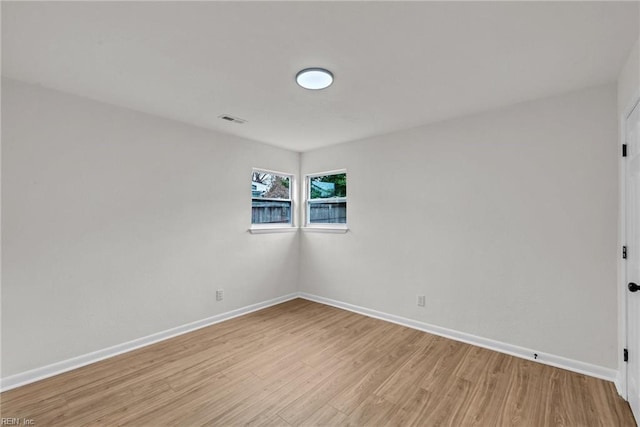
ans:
(443, 226)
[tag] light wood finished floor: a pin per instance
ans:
(302, 363)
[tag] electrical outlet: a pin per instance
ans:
(219, 294)
(421, 300)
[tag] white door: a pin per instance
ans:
(632, 177)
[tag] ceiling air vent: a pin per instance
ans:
(232, 119)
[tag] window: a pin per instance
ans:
(327, 198)
(271, 198)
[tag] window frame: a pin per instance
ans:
(327, 226)
(277, 227)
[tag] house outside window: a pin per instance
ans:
(271, 201)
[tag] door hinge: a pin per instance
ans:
(625, 355)
(624, 252)
(624, 150)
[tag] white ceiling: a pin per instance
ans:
(396, 64)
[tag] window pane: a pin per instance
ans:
(328, 213)
(270, 186)
(328, 186)
(270, 212)
(270, 198)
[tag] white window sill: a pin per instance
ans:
(264, 229)
(329, 228)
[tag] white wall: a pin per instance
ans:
(117, 225)
(506, 221)
(629, 79)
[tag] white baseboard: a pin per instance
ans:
(41, 373)
(621, 385)
(513, 350)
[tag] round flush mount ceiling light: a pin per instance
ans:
(314, 78)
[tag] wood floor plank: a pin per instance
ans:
(263, 409)
(415, 371)
(325, 416)
(488, 391)
(264, 404)
(314, 399)
(372, 411)
(444, 408)
(394, 354)
(306, 364)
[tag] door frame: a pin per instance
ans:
(621, 380)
